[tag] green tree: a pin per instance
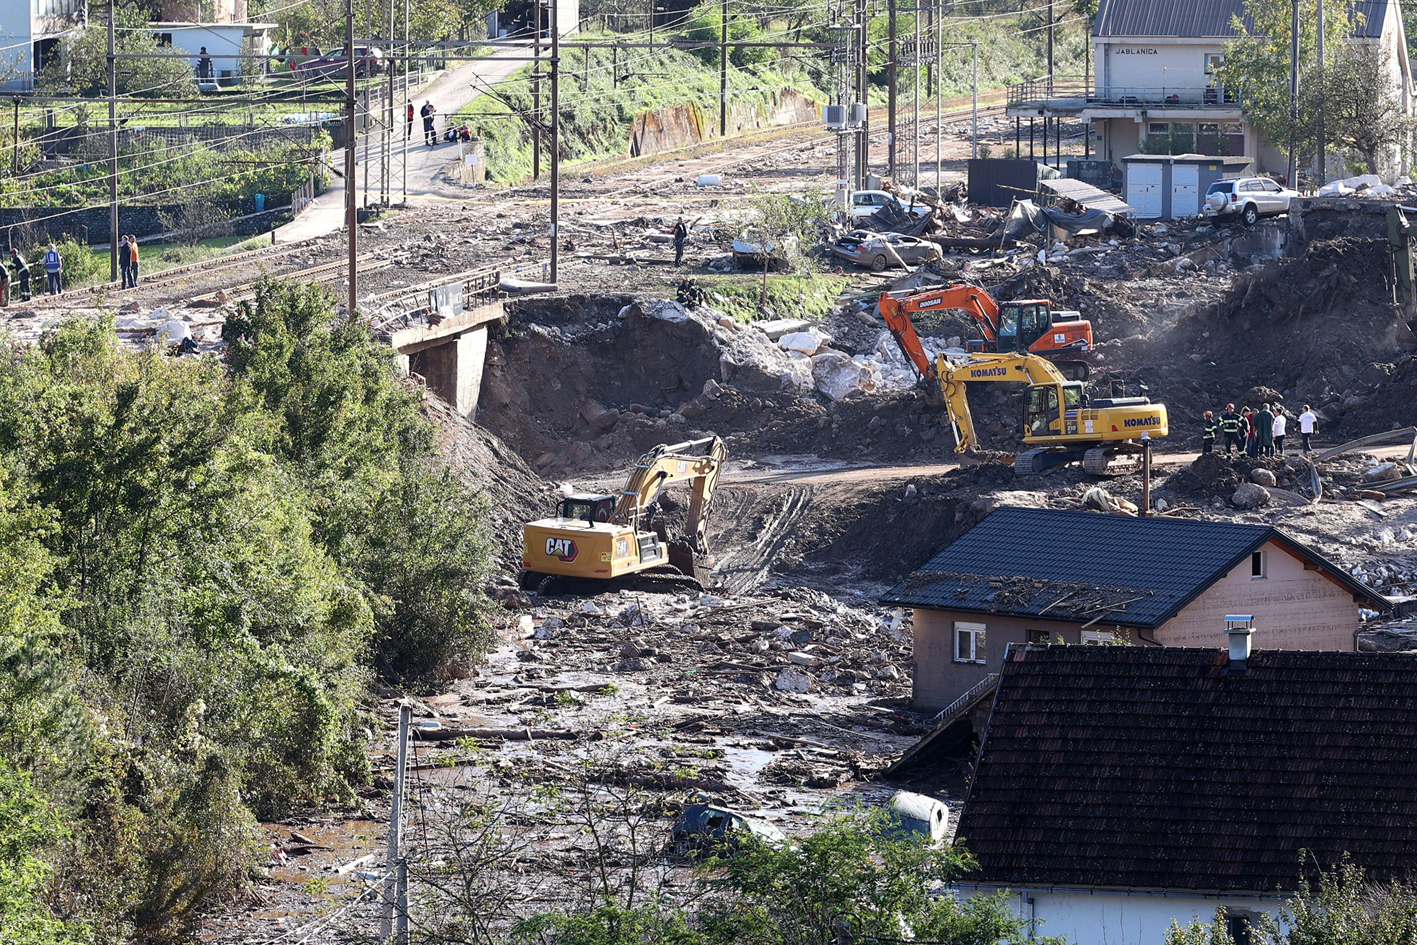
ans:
(29, 829)
(851, 879)
(1361, 105)
(1256, 64)
(82, 67)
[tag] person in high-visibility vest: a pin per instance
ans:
(1230, 425)
(1208, 431)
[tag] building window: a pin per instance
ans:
(1211, 61)
(1039, 636)
(1257, 565)
(969, 643)
(1238, 925)
(1158, 128)
(1097, 637)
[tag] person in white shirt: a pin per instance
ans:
(1279, 424)
(1308, 426)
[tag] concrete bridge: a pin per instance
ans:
(440, 334)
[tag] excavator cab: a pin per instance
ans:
(584, 507)
(1022, 323)
(1041, 415)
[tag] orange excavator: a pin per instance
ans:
(1030, 326)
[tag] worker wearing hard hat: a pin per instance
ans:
(1208, 431)
(1230, 425)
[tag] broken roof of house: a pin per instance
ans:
(1161, 768)
(1166, 18)
(1071, 565)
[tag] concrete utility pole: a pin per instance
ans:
(391, 126)
(974, 108)
(536, 92)
(723, 69)
(351, 209)
(1322, 102)
(1293, 176)
(863, 135)
(395, 919)
(938, 22)
(915, 122)
(112, 148)
(407, 102)
(891, 71)
(556, 135)
(1050, 47)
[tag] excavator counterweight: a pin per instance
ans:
(612, 536)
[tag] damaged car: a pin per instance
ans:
(864, 248)
(704, 827)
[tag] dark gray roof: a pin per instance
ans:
(1065, 565)
(1156, 768)
(1201, 18)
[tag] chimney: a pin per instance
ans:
(1239, 628)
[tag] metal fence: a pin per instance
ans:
(1077, 89)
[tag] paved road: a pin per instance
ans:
(452, 90)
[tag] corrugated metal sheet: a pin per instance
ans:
(1156, 768)
(1203, 18)
(998, 182)
(1089, 196)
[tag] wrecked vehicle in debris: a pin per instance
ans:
(878, 251)
(754, 250)
(705, 827)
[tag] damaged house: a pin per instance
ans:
(1055, 576)
(1153, 88)
(1119, 788)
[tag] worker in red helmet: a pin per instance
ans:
(1230, 423)
(1208, 430)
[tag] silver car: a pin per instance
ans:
(1247, 199)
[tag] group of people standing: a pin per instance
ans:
(1255, 433)
(128, 260)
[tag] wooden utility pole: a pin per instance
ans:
(723, 69)
(112, 148)
(555, 137)
(1323, 98)
(351, 208)
(15, 153)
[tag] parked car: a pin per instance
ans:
(864, 248)
(1246, 199)
(368, 60)
(865, 203)
(704, 826)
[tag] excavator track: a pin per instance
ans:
(1109, 461)
(1028, 463)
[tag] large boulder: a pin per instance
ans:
(1249, 496)
(838, 376)
(1263, 477)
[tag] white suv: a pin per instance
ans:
(1247, 198)
(864, 203)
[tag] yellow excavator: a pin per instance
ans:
(602, 537)
(1060, 424)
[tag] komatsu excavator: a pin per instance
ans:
(606, 537)
(1060, 425)
(1030, 326)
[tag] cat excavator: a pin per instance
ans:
(1060, 424)
(604, 537)
(1030, 326)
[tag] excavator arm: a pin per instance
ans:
(967, 298)
(999, 368)
(697, 460)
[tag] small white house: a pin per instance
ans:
(224, 43)
(516, 19)
(1121, 788)
(31, 32)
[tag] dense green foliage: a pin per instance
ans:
(1342, 908)
(201, 568)
(82, 67)
(852, 880)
